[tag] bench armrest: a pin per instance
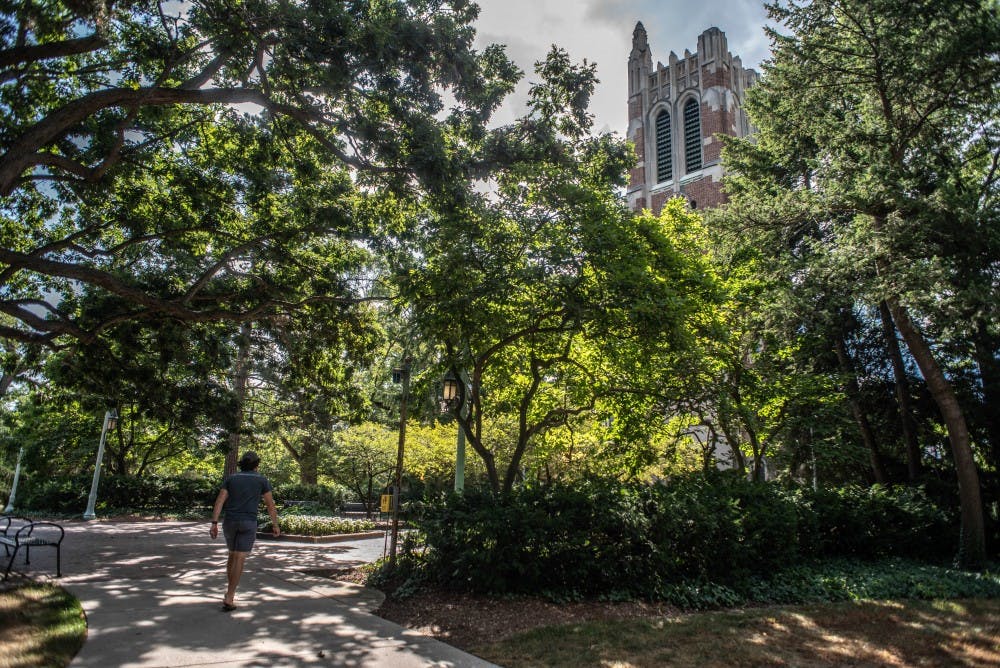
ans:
(10, 523)
(47, 528)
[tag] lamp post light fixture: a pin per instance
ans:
(13, 487)
(110, 422)
(449, 390)
(454, 399)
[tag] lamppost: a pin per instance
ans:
(13, 487)
(110, 421)
(400, 375)
(453, 399)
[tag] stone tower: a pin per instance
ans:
(674, 113)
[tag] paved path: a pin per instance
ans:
(152, 593)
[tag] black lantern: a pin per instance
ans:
(449, 390)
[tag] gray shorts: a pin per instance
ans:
(240, 534)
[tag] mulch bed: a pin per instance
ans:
(332, 538)
(467, 621)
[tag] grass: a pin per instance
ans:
(40, 625)
(883, 633)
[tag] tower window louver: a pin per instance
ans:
(692, 136)
(664, 166)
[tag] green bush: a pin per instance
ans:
(316, 525)
(720, 527)
(604, 538)
(57, 494)
(157, 493)
(699, 537)
(876, 522)
(153, 493)
(558, 540)
(321, 497)
(69, 494)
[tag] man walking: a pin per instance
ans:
(240, 497)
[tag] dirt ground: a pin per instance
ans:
(873, 633)
(466, 621)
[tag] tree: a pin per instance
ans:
(307, 379)
(94, 94)
(364, 459)
(864, 113)
(750, 367)
(524, 288)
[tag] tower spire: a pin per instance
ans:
(639, 42)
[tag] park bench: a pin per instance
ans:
(353, 510)
(20, 532)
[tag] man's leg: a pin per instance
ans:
(234, 570)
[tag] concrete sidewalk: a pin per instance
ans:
(152, 593)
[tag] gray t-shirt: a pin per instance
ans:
(245, 489)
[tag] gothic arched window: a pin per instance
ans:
(692, 135)
(664, 165)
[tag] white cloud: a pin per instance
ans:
(600, 31)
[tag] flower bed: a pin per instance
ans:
(316, 525)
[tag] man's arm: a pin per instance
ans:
(273, 512)
(217, 510)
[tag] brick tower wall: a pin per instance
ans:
(718, 81)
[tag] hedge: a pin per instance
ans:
(603, 538)
(68, 495)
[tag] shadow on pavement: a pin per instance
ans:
(152, 593)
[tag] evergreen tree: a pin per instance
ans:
(870, 127)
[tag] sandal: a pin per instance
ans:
(227, 607)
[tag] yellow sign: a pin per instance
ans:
(386, 503)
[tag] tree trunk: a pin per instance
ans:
(972, 548)
(989, 373)
(473, 426)
(6, 380)
(854, 401)
(733, 442)
(902, 385)
(523, 432)
(239, 386)
(370, 497)
(309, 462)
(758, 453)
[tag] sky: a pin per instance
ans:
(600, 31)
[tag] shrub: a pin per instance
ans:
(157, 493)
(152, 493)
(326, 497)
(877, 522)
(566, 541)
(69, 494)
(64, 494)
(313, 525)
(601, 537)
(697, 537)
(720, 527)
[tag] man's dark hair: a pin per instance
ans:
(249, 461)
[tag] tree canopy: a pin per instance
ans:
(180, 162)
(230, 220)
(875, 154)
